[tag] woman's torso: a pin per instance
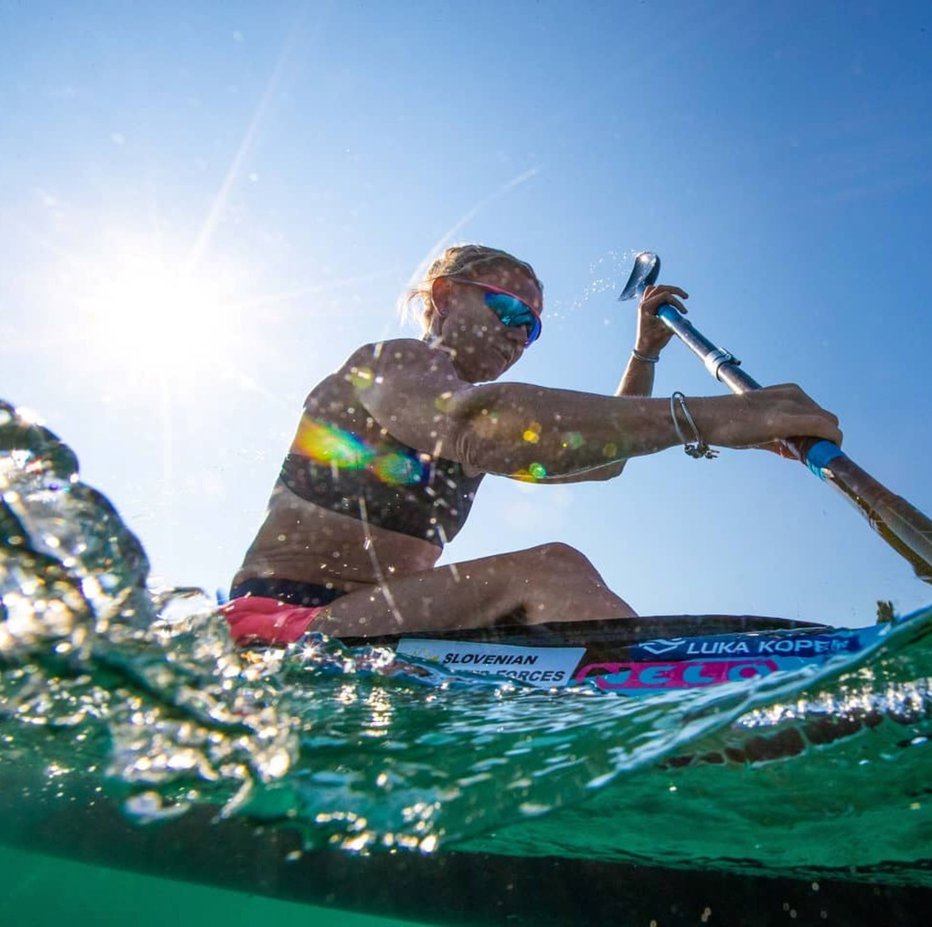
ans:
(353, 506)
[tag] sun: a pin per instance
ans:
(145, 314)
(144, 308)
(146, 304)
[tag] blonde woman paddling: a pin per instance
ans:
(392, 447)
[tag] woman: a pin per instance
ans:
(391, 449)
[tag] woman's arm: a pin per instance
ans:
(415, 393)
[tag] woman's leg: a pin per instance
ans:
(553, 582)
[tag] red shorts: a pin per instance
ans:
(257, 620)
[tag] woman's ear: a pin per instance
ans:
(439, 295)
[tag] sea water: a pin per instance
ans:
(120, 697)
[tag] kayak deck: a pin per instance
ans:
(636, 657)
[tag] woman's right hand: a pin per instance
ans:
(761, 418)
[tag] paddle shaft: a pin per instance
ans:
(907, 530)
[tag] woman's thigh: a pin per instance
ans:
(552, 582)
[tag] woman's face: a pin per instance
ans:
(483, 346)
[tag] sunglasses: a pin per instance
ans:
(511, 311)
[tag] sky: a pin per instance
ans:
(208, 206)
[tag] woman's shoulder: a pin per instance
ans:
(381, 355)
(371, 362)
(387, 345)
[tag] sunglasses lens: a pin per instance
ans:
(514, 313)
(533, 332)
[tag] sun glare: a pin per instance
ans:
(145, 315)
(167, 314)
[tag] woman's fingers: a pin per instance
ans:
(664, 288)
(656, 296)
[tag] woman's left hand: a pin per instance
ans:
(652, 334)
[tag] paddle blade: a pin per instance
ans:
(644, 274)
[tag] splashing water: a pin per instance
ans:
(141, 691)
(604, 273)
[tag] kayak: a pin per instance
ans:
(634, 657)
(650, 656)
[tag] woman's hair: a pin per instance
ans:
(457, 260)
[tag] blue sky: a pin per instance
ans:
(208, 206)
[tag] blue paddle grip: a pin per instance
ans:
(820, 455)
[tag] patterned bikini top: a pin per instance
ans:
(385, 483)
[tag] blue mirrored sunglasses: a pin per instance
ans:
(511, 311)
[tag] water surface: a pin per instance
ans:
(118, 693)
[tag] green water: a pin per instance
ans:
(43, 891)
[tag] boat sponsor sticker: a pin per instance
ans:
(544, 667)
(751, 645)
(683, 663)
(644, 678)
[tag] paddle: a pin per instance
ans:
(902, 526)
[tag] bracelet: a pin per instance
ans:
(646, 358)
(699, 448)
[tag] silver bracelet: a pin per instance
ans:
(646, 358)
(699, 448)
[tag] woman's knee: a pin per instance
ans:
(560, 556)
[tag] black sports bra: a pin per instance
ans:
(393, 486)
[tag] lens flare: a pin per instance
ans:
(400, 469)
(325, 443)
